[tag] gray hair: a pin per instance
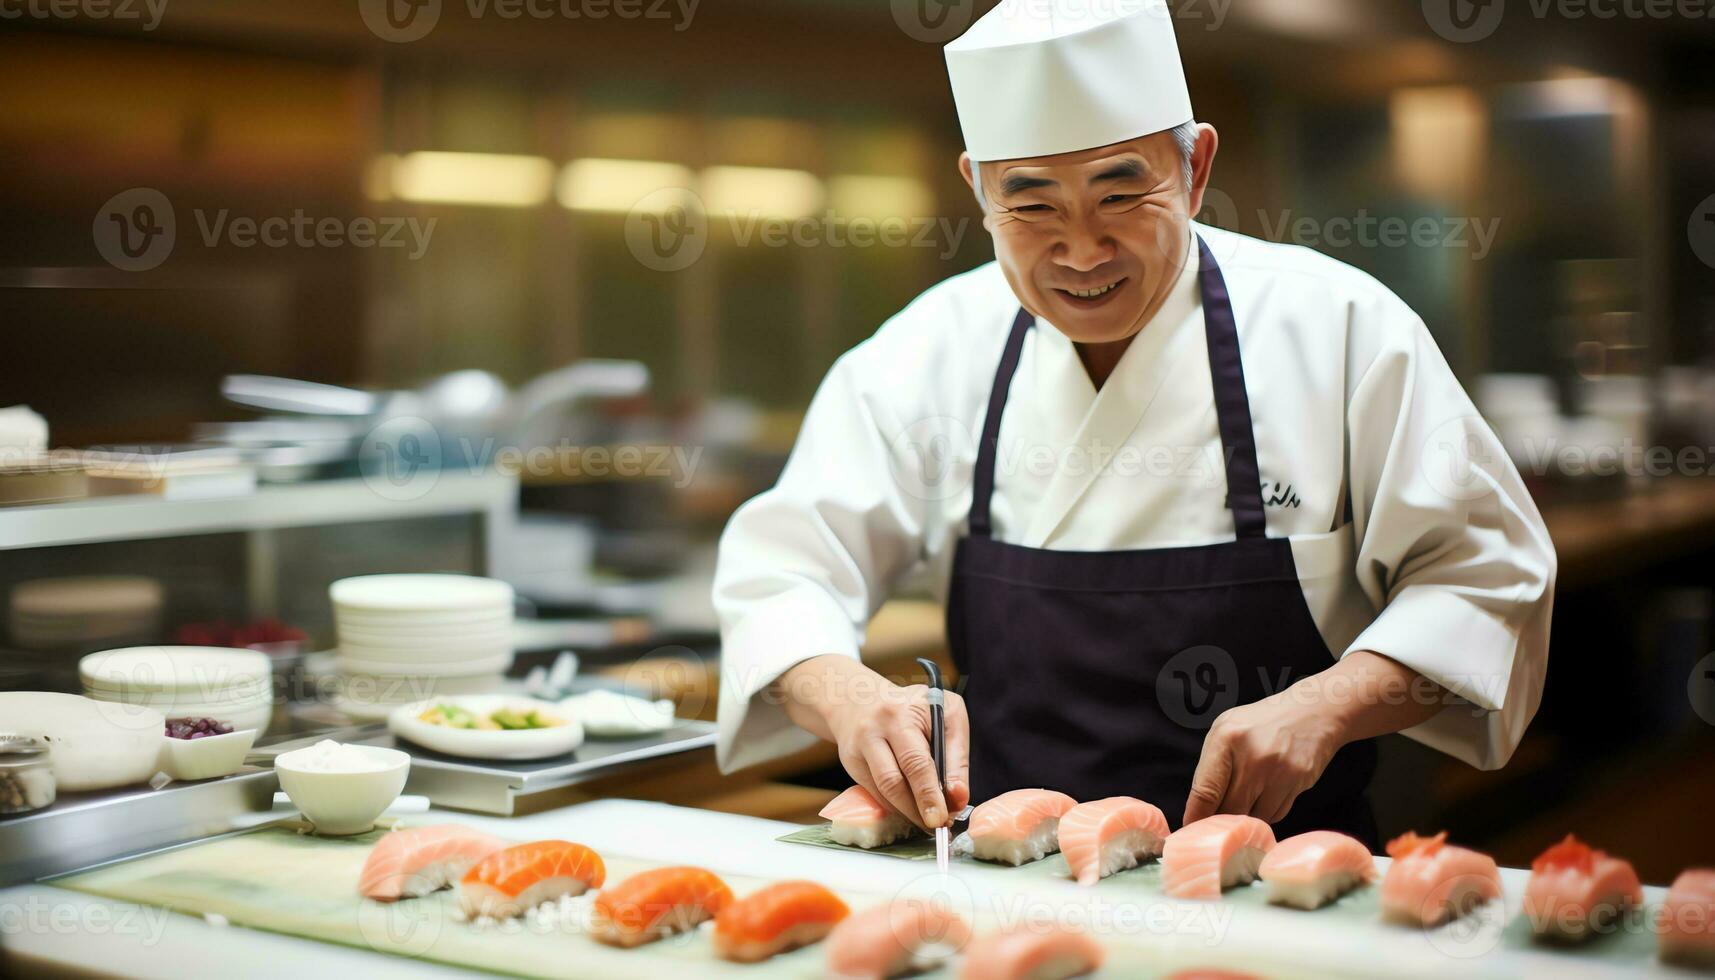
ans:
(1184, 136)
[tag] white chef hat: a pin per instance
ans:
(1038, 77)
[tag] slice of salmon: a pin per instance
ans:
(1202, 859)
(656, 903)
(412, 863)
(1576, 891)
(895, 938)
(1101, 837)
(1030, 954)
(510, 882)
(1310, 870)
(1687, 922)
(779, 917)
(1018, 827)
(1431, 881)
(856, 818)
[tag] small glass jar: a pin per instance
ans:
(26, 778)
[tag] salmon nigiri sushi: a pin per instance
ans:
(901, 937)
(1310, 870)
(656, 903)
(1576, 891)
(1202, 859)
(858, 819)
(777, 918)
(1019, 827)
(413, 863)
(1431, 882)
(1101, 837)
(1032, 955)
(511, 882)
(1687, 921)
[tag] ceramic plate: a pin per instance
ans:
(538, 743)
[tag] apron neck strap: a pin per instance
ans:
(1232, 408)
(982, 489)
(1232, 403)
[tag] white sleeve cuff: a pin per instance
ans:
(772, 638)
(1469, 651)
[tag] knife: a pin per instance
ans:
(938, 750)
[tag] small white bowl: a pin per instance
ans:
(534, 743)
(341, 804)
(206, 758)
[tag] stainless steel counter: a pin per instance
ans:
(494, 786)
(82, 829)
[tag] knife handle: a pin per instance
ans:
(937, 721)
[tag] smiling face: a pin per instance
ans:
(1093, 241)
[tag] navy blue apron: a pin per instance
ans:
(1099, 673)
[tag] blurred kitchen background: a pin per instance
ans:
(1565, 166)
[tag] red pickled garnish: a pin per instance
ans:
(1570, 853)
(1410, 843)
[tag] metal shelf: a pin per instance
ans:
(312, 504)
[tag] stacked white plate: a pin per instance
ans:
(403, 638)
(234, 687)
(86, 611)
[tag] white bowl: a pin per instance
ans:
(195, 673)
(343, 803)
(536, 743)
(206, 758)
(91, 745)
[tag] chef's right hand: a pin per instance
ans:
(882, 730)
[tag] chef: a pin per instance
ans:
(1208, 514)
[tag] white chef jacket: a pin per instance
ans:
(1443, 563)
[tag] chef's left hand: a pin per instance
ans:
(1258, 757)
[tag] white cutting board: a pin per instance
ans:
(1181, 934)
